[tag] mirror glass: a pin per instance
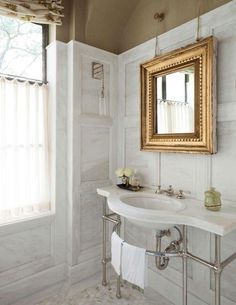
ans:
(175, 99)
(178, 100)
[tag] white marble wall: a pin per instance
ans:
(39, 254)
(33, 252)
(185, 171)
(92, 154)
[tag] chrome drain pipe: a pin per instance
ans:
(162, 261)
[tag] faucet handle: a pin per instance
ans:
(170, 190)
(158, 190)
(180, 194)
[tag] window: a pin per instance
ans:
(22, 48)
(24, 167)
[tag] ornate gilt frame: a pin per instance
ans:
(202, 54)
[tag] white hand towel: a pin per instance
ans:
(133, 265)
(116, 248)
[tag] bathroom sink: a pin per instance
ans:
(158, 211)
(153, 203)
(147, 210)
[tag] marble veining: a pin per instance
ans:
(35, 259)
(91, 88)
(95, 153)
(190, 211)
(102, 295)
(194, 173)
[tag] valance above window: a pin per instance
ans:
(38, 11)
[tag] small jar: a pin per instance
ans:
(134, 180)
(125, 180)
(212, 200)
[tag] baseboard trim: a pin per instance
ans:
(40, 282)
(84, 270)
(173, 292)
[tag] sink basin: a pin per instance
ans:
(147, 210)
(155, 211)
(153, 203)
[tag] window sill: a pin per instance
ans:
(25, 223)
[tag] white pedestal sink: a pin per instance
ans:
(144, 209)
(150, 210)
(153, 202)
(154, 211)
(135, 205)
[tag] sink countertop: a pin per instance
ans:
(194, 214)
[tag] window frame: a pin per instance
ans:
(45, 41)
(50, 213)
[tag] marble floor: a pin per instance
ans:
(99, 295)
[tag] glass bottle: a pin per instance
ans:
(213, 199)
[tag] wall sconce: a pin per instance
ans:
(159, 16)
(98, 73)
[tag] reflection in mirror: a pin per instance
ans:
(178, 100)
(175, 94)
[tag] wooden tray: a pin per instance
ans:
(130, 187)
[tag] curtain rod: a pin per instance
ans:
(23, 79)
(159, 100)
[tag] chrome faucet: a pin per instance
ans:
(170, 192)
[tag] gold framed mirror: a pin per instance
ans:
(178, 100)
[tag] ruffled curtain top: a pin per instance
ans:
(38, 11)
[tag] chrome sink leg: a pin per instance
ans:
(104, 247)
(218, 269)
(118, 292)
(184, 259)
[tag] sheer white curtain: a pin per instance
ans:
(164, 117)
(175, 117)
(24, 167)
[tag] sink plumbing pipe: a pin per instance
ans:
(174, 246)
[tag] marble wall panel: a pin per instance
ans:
(136, 159)
(228, 275)
(193, 173)
(91, 88)
(24, 247)
(224, 162)
(90, 220)
(226, 66)
(178, 170)
(132, 87)
(135, 235)
(94, 153)
(183, 171)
